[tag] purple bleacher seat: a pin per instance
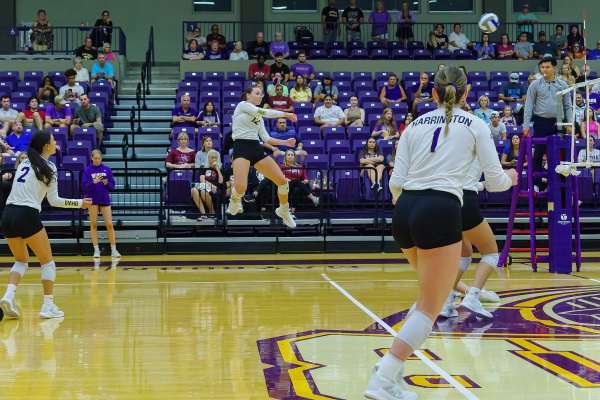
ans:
(188, 85)
(342, 76)
(399, 108)
(415, 44)
(213, 85)
(340, 146)
(314, 146)
(363, 85)
(411, 76)
(79, 148)
(294, 52)
(227, 119)
(33, 75)
(343, 85)
(193, 76)
(425, 107)
(344, 96)
(441, 54)
(214, 76)
(358, 145)
(523, 75)
(372, 120)
(356, 44)
(75, 163)
(295, 45)
(400, 54)
(338, 53)
(102, 97)
(101, 106)
(586, 182)
(491, 94)
(499, 76)
(80, 133)
(343, 160)
(372, 107)
(178, 187)
(233, 85)
(317, 54)
(9, 76)
(306, 119)
(346, 183)
(463, 54)
(316, 45)
(358, 132)
(7, 86)
(359, 54)
(393, 45)
(379, 54)
(309, 133)
(212, 131)
(376, 44)
(28, 86)
(215, 97)
(100, 86)
(334, 132)
(18, 106)
(8, 162)
(421, 54)
(497, 85)
(316, 161)
(477, 76)
(68, 184)
(514, 130)
(497, 105)
(229, 106)
(367, 96)
(335, 45)
(382, 75)
(386, 146)
(236, 76)
(363, 76)
(20, 97)
(479, 85)
(232, 95)
(303, 107)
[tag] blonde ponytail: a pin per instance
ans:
(449, 102)
(450, 85)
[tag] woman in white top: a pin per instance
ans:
(434, 155)
(83, 75)
(248, 130)
(34, 180)
(238, 52)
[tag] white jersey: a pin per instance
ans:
(427, 158)
(473, 181)
(28, 191)
(248, 122)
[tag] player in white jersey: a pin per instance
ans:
(34, 180)
(434, 154)
(248, 130)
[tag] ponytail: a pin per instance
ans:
(450, 85)
(39, 164)
(449, 102)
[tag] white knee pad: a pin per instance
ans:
(415, 329)
(465, 263)
(491, 259)
(19, 267)
(49, 271)
(283, 189)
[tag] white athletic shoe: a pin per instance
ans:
(10, 308)
(234, 207)
(449, 311)
(382, 388)
(472, 303)
(97, 253)
(489, 297)
(115, 254)
(51, 310)
(283, 212)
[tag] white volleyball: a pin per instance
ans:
(489, 22)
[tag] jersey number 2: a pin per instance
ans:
(436, 136)
(22, 177)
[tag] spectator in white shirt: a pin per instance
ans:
(329, 114)
(71, 91)
(498, 128)
(83, 75)
(457, 39)
(238, 52)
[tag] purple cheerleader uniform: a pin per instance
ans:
(99, 192)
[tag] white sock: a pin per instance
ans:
(285, 206)
(96, 248)
(473, 291)
(11, 289)
(390, 366)
(113, 248)
(48, 299)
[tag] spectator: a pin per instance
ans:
(595, 53)
(87, 51)
(202, 154)
(215, 35)
(390, 160)
(498, 128)
(102, 30)
(507, 118)
(279, 73)
(483, 111)
(525, 21)
(559, 40)
(513, 91)
(182, 156)
(574, 68)
(352, 17)
(57, 115)
(574, 37)
(273, 85)
(423, 93)
(592, 129)
(326, 88)
(81, 73)
(5, 151)
(280, 101)
(302, 68)
(379, 19)
(238, 53)
(71, 91)
(585, 74)
(457, 39)
(205, 191)
(354, 115)
(102, 70)
(329, 114)
(259, 83)
(523, 48)
(441, 39)
(19, 139)
(386, 127)
(47, 92)
(208, 116)
(258, 46)
(505, 49)
(32, 116)
(371, 158)
(301, 92)
(259, 70)
(330, 17)
(392, 92)
(41, 32)
(196, 34)
(565, 74)
(595, 156)
(193, 51)
(510, 155)
(279, 46)
(406, 19)
(282, 130)
(579, 109)
(407, 120)
(543, 46)
(577, 52)
(298, 180)
(215, 52)
(184, 115)
(485, 50)
(8, 116)
(88, 116)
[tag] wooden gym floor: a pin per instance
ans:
(270, 327)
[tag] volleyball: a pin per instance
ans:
(489, 23)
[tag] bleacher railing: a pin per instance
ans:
(146, 73)
(65, 39)
(232, 30)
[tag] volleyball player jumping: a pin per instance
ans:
(35, 179)
(434, 155)
(248, 129)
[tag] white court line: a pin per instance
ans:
(438, 370)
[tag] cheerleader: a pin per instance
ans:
(248, 130)
(35, 179)
(434, 155)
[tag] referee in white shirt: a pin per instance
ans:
(433, 158)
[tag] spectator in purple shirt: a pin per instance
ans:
(184, 115)
(302, 68)
(380, 19)
(214, 52)
(278, 45)
(57, 114)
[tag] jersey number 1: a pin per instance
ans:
(22, 177)
(436, 136)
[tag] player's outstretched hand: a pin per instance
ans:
(292, 117)
(87, 202)
(512, 174)
(291, 142)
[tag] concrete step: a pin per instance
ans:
(149, 98)
(135, 164)
(146, 116)
(160, 91)
(158, 141)
(146, 153)
(163, 124)
(146, 130)
(150, 105)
